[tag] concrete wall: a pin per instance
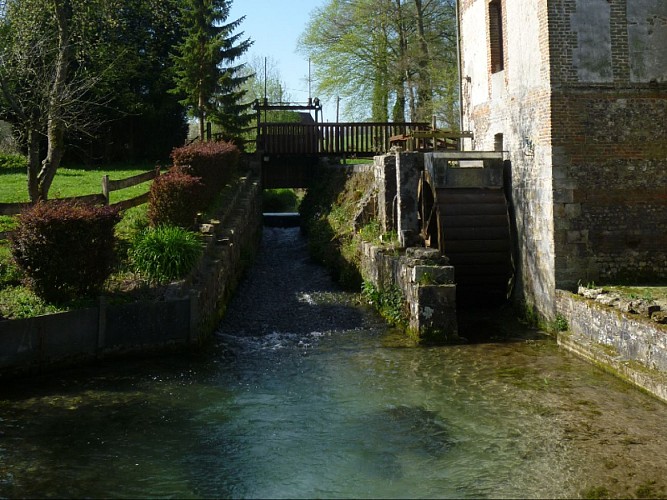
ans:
(34, 344)
(581, 106)
(632, 347)
(190, 311)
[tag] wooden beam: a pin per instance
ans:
(441, 134)
(469, 155)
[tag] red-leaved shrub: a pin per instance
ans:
(175, 198)
(214, 162)
(65, 248)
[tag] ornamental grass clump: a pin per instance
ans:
(165, 253)
(65, 249)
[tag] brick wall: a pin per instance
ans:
(611, 182)
(610, 142)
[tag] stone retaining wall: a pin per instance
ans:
(426, 283)
(190, 311)
(630, 346)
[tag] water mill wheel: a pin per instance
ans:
(471, 226)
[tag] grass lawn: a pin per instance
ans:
(72, 182)
(69, 182)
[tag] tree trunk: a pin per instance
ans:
(380, 102)
(56, 127)
(412, 100)
(398, 112)
(55, 150)
(424, 90)
(201, 118)
(33, 164)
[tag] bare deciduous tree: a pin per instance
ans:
(43, 93)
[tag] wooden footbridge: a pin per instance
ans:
(290, 150)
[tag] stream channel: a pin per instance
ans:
(305, 393)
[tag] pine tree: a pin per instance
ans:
(204, 68)
(231, 113)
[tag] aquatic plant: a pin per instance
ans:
(559, 324)
(596, 492)
(389, 303)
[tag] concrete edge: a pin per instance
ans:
(650, 381)
(614, 341)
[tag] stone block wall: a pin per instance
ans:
(426, 284)
(232, 237)
(408, 172)
(384, 169)
(188, 313)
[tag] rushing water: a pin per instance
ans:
(306, 394)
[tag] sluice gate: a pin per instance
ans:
(463, 212)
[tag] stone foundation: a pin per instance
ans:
(426, 283)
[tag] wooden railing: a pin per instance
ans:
(336, 139)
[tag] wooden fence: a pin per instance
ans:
(108, 186)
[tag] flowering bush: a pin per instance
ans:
(214, 163)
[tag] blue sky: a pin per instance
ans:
(275, 27)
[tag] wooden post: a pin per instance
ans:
(105, 189)
(258, 146)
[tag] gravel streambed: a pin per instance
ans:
(285, 291)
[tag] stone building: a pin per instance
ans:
(575, 92)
